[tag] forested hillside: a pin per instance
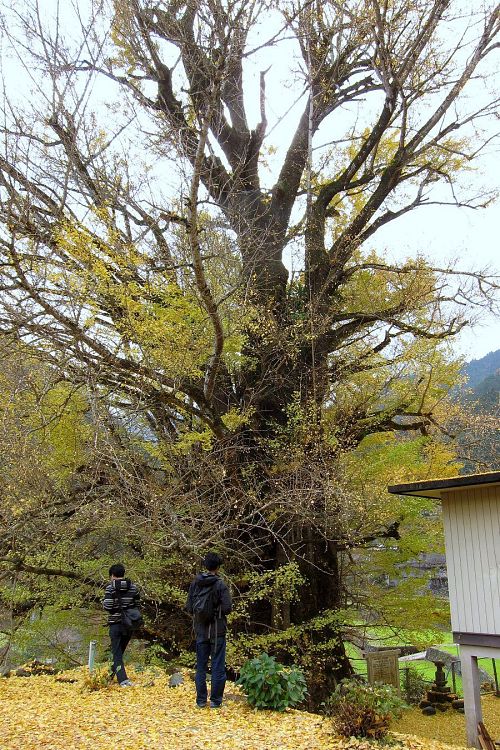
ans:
(479, 370)
(479, 433)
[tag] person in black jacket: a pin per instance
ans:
(211, 634)
(120, 594)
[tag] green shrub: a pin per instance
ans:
(361, 710)
(156, 655)
(268, 684)
(413, 685)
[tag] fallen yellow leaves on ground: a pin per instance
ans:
(44, 713)
(448, 727)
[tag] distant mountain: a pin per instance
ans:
(478, 370)
(487, 392)
(482, 393)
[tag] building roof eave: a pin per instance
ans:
(434, 488)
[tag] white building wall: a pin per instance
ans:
(472, 533)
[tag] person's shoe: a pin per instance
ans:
(126, 683)
(201, 705)
(215, 705)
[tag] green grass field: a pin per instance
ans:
(427, 669)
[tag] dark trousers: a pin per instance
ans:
(119, 641)
(216, 651)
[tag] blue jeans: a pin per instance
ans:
(217, 651)
(119, 641)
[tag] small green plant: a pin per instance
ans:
(413, 685)
(99, 679)
(156, 656)
(268, 684)
(361, 710)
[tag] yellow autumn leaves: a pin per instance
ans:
(50, 713)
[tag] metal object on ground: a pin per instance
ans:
(92, 650)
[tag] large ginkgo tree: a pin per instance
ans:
(189, 198)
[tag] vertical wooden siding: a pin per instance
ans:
(472, 533)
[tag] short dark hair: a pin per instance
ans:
(117, 570)
(212, 561)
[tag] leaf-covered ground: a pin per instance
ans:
(450, 726)
(41, 713)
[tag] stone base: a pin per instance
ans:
(440, 688)
(436, 697)
(443, 702)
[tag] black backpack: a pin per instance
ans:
(205, 603)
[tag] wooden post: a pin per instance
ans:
(472, 694)
(92, 649)
(453, 677)
(495, 675)
(407, 683)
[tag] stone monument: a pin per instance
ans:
(383, 667)
(439, 697)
